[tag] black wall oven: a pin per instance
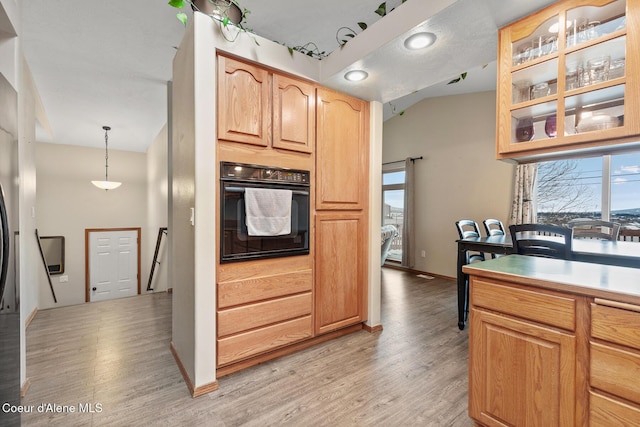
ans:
(241, 243)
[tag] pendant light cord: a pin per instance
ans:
(106, 152)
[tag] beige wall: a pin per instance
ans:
(181, 233)
(67, 204)
(29, 253)
(458, 176)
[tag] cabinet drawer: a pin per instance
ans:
(616, 325)
(258, 341)
(252, 316)
(607, 412)
(550, 309)
(615, 371)
(255, 289)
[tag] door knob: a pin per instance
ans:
(94, 289)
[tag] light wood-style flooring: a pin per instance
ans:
(116, 354)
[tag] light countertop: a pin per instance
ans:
(596, 280)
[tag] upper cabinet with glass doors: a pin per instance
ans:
(569, 79)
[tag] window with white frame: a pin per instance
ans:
(393, 207)
(605, 187)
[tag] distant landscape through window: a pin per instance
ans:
(605, 187)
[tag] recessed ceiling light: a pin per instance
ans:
(356, 75)
(420, 41)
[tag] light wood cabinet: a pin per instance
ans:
(266, 308)
(559, 353)
(521, 372)
(341, 151)
(340, 270)
(294, 114)
(262, 313)
(614, 364)
(244, 103)
(569, 79)
(341, 221)
(263, 108)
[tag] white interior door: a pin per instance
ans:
(113, 264)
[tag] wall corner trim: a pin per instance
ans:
(194, 391)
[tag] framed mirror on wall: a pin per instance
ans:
(53, 249)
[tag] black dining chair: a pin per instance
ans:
(594, 229)
(469, 229)
(494, 227)
(543, 240)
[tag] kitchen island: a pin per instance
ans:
(553, 342)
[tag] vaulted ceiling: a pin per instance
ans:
(101, 63)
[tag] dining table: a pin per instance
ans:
(609, 252)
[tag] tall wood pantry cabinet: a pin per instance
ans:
(269, 307)
(341, 223)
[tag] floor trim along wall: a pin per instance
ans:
(411, 270)
(25, 387)
(30, 318)
(372, 329)
(195, 392)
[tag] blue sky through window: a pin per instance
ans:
(394, 198)
(625, 181)
(584, 177)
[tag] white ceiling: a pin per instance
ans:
(99, 62)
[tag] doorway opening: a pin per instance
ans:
(393, 208)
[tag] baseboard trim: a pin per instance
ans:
(169, 290)
(372, 329)
(243, 364)
(411, 270)
(30, 317)
(205, 389)
(25, 387)
(194, 391)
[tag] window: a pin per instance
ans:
(606, 187)
(393, 208)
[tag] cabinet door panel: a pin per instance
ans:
(517, 369)
(244, 112)
(340, 271)
(294, 114)
(341, 151)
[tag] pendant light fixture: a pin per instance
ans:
(106, 184)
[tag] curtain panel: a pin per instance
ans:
(523, 206)
(408, 243)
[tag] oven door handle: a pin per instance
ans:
(241, 190)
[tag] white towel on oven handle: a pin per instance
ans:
(268, 211)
